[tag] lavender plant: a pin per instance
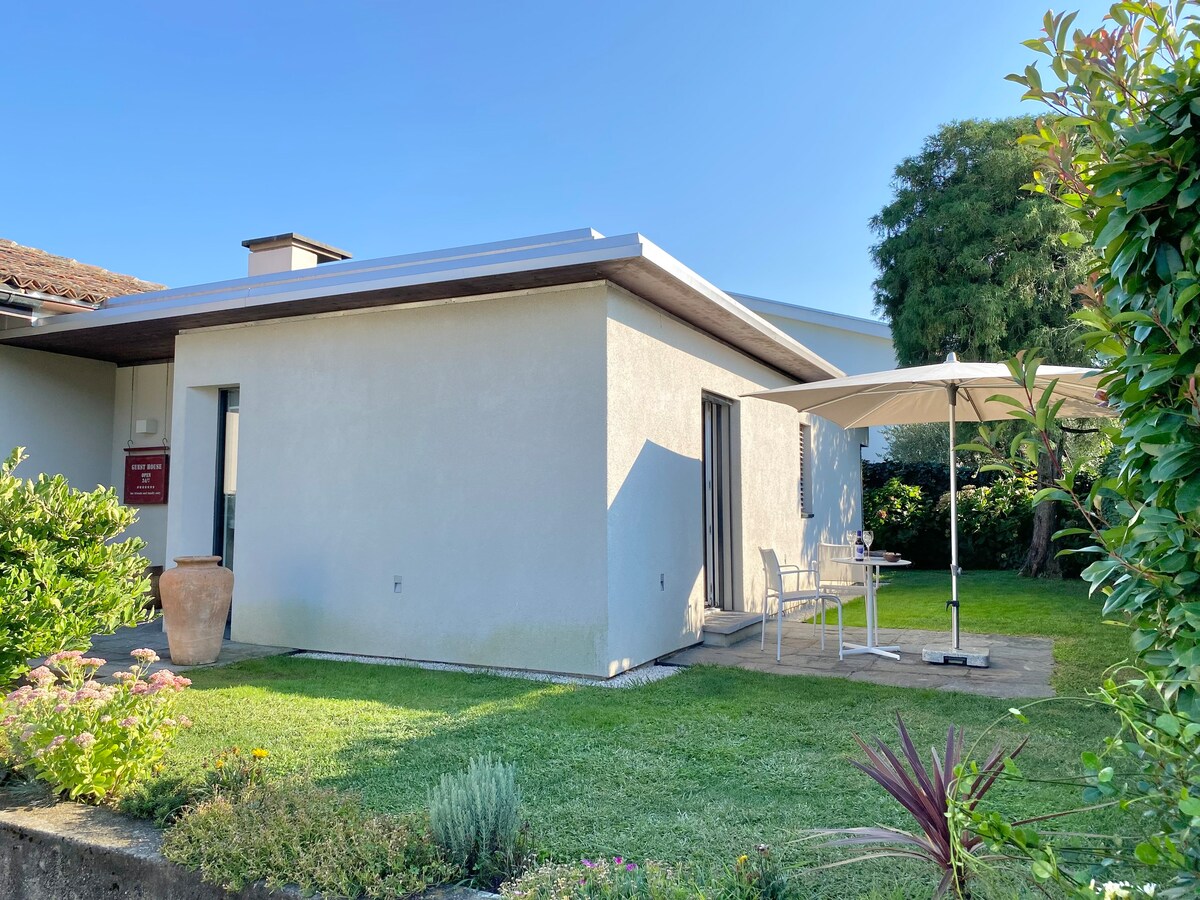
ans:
(476, 819)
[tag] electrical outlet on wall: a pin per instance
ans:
(397, 584)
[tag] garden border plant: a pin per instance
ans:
(752, 876)
(942, 798)
(291, 832)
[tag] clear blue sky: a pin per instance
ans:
(752, 140)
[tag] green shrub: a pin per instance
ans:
(91, 741)
(1120, 151)
(907, 505)
(320, 840)
(163, 798)
(899, 514)
(995, 519)
(995, 523)
(476, 819)
(62, 576)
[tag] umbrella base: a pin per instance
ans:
(977, 657)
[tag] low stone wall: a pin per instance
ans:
(68, 851)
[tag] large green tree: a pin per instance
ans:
(971, 263)
(968, 262)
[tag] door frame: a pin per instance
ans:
(223, 409)
(716, 486)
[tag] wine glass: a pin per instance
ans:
(868, 536)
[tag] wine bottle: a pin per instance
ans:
(860, 548)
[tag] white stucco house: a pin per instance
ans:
(853, 344)
(531, 454)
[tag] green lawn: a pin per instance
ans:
(702, 765)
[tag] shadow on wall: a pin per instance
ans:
(656, 556)
(836, 487)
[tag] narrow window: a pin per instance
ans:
(226, 499)
(805, 469)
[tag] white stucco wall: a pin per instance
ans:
(466, 447)
(658, 371)
(142, 393)
(460, 446)
(60, 409)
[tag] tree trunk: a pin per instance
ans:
(1040, 561)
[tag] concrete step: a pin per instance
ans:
(724, 628)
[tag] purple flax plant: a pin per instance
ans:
(932, 796)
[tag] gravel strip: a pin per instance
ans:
(633, 678)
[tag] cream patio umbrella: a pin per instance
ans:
(952, 391)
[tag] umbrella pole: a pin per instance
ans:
(952, 396)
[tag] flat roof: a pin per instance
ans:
(141, 328)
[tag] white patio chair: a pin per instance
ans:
(774, 588)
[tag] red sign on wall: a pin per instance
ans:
(146, 471)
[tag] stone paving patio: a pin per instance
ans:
(1020, 666)
(116, 649)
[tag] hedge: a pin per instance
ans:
(907, 506)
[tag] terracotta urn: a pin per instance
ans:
(195, 596)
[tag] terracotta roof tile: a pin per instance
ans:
(30, 269)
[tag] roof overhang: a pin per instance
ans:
(141, 328)
(812, 316)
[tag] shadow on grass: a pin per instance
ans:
(707, 763)
(700, 766)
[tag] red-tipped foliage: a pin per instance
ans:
(927, 793)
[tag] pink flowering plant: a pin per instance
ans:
(89, 740)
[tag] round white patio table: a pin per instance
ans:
(871, 646)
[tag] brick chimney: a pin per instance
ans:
(288, 252)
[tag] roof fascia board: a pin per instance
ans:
(725, 317)
(243, 293)
(815, 316)
(345, 268)
(399, 307)
(714, 294)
